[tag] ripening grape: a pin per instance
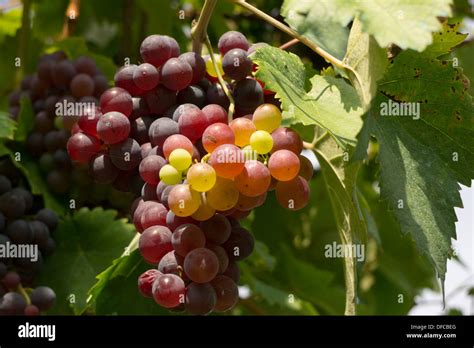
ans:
(116, 99)
(153, 215)
(180, 159)
(215, 95)
(192, 95)
(221, 256)
(200, 298)
(236, 64)
(247, 203)
(82, 85)
(254, 179)
(160, 99)
(224, 195)
(170, 175)
(243, 128)
(169, 290)
(197, 64)
(240, 244)
(201, 177)
(227, 293)
(186, 238)
(284, 165)
(154, 243)
(183, 201)
(82, 147)
(201, 265)
(146, 280)
(286, 139)
(217, 134)
(126, 155)
(205, 211)
(146, 76)
(248, 95)
(261, 141)
(306, 168)
(210, 66)
(267, 117)
(171, 263)
(233, 271)
(217, 229)
(177, 141)
(161, 129)
(113, 127)
(215, 113)
(150, 168)
(227, 160)
(124, 79)
(102, 169)
(176, 74)
(89, 119)
(231, 40)
(157, 49)
(192, 124)
(293, 194)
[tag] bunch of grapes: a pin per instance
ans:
(23, 226)
(165, 129)
(57, 85)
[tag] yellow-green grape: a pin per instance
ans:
(261, 141)
(201, 177)
(267, 117)
(205, 211)
(170, 175)
(184, 201)
(210, 67)
(180, 159)
(224, 195)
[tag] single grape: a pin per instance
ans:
(49, 217)
(193, 95)
(146, 76)
(101, 84)
(181, 109)
(82, 147)
(183, 201)
(116, 99)
(293, 194)
(186, 238)
(149, 192)
(236, 64)
(157, 49)
(13, 303)
(227, 293)
(153, 215)
(113, 127)
(5, 184)
(223, 196)
(231, 40)
(139, 129)
(43, 123)
(177, 141)
(171, 263)
(169, 290)
(192, 124)
(227, 160)
(233, 272)
(102, 169)
(180, 159)
(146, 149)
(215, 114)
(248, 95)
(221, 256)
(11, 280)
(261, 141)
(62, 74)
(170, 175)
(200, 298)
(85, 65)
(201, 177)
(138, 212)
(150, 168)
(243, 128)
(217, 229)
(176, 74)
(286, 139)
(306, 168)
(197, 64)
(154, 243)
(173, 221)
(59, 182)
(267, 117)
(160, 99)
(215, 95)
(146, 280)
(217, 134)
(240, 244)
(256, 46)
(126, 155)
(31, 311)
(205, 211)
(284, 165)
(201, 265)
(43, 298)
(210, 69)
(124, 79)
(82, 85)
(247, 203)
(140, 108)
(161, 129)
(254, 180)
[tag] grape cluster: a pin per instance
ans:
(164, 128)
(23, 224)
(58, 83)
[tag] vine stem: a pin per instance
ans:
(199, 30)
(23, 293)
(221, 80)
(24, 38)
(293, 33)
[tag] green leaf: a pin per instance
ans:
(367, 60)
(8, 126)
(86, 243)
(26, 119)
(10, 22)
(408, 24)
(424, 159)
(331, 103)
(312, 21)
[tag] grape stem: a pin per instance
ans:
(23, 293)
(221, 80)
(293, 33)
(199, 30)
(288, 44)
(131, 246)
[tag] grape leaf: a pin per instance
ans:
(312, 21)
(86, 242)
(368, 61)
(423, 158)
(10, 22)
(26, 119)
(8, 126)
(408, 24)
(331, 103)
